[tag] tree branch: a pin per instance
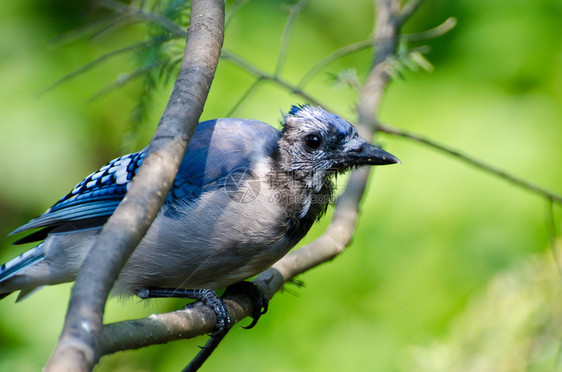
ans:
(79, 346)
(293, 14)
(232, 10)
(374, 92)
(408, 10)
(244, 96)
(474, 162)
(437, 31)
(125, 78)
(82, 69)
(262, 75)
(133, 11)
(199, 319)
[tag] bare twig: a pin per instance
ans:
(408, 9)
(346, 50)
(262, 75)
(234, 8)
(127, 78)
(293, 14)
(79, 346)
(244, 96)
(133, 11)
(477, 163)
(437, 31)
(99, 60)
(432, 33)
(553, 234)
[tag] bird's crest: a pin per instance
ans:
(316, 116)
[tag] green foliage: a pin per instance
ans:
(514, 325)
(347, 77)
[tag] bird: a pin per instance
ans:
(245, 193)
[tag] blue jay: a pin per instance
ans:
(244, 195)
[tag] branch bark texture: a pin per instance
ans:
(80, 345)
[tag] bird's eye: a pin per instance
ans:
(312, 141)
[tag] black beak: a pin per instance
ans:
(367, 154)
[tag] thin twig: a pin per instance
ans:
(124, 79)
(205, 352)
(244, 96)
(260, 74)
(553, 234)
(232, 10)
(408, 9)
(293, 14)
(81, 31)
(348, 49)
(432, 33)
(99, 60)
(477, 163)
(164, 22)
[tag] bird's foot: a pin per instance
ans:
(259, 301)
(210, 298)
(206, 296)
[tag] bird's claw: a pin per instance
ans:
(206, 296)
(210, 298)
(259, 300)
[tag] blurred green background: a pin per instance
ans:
(451, 268)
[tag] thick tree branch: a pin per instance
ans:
(79, 346)
(161, 328)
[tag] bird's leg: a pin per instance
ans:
(207, 296)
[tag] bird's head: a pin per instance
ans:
(314, 141)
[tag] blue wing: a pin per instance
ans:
(217, 148)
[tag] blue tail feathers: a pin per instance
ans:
(24, 260)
